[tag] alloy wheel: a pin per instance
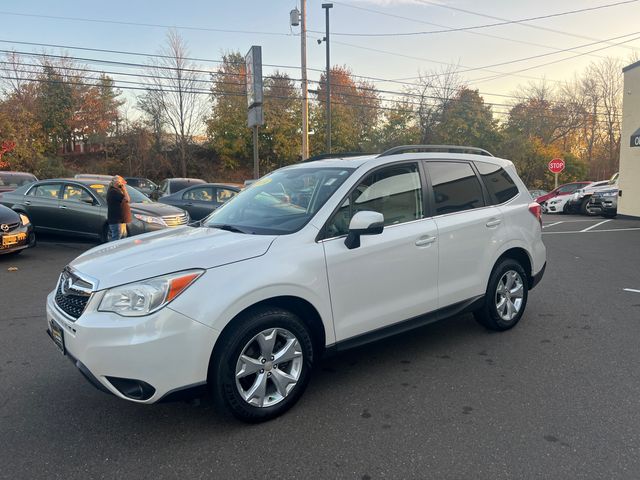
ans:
(269, 367)
(509, 295)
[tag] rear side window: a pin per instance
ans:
(48, 190)
(455, 187)
(498, 182)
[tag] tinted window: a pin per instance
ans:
(135, 196)
(16, 180)
(76, 194)
(396, 192)
(224, 194)
(498, 182)
(568, 188)
(455, 186)
(48, 190)
(200, 194)
(177, 185)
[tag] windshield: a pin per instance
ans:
(16, 180)
(280, 203)
(136, 196)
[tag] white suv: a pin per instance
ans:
(315, 257)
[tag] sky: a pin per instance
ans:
(400, 58)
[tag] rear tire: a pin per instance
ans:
(506, 296)
(583, 207)
(263, 365)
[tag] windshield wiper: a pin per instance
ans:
(228, 228)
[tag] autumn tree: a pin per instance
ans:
(280, 138)
(355, 114)
(466, 120)
(227, 127)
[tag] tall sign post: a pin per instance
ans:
(255, 116)
(556, 166)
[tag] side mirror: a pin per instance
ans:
(363, 223)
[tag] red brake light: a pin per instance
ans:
(536, 211)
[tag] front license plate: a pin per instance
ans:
(57, 335)
(8, 240)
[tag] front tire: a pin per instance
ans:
(263, 365)
(506, 297)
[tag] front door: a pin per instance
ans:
(80, 211)
(392, 276)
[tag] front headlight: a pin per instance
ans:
(610, 194)
(150, 219)
(24, 219)
(147, 296)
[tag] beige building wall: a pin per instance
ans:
(629, 203)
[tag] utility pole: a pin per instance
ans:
(305, 91)
(300, 18)
(326, 7)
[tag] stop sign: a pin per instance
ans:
(556, 165)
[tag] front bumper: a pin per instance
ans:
(166, 350)
(9, 244)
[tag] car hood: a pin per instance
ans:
(156, 209)
(167, 251)
(8, 216)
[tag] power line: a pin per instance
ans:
(138, 24)
(375, 91)
(477, 27)
(471, 12)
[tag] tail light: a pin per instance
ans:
(536, 211)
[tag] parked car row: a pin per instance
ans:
(586, 198)
(78, 206)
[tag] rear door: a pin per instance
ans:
(470, 230)
(41, 204)
(80, 211)
(198, 201)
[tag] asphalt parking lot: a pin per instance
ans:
(556, 397)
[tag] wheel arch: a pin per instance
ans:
(297, 305)
(520, 255)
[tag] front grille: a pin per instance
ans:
(176, 220)
(9, 227)
(68, 298)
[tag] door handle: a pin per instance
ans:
(494, 222)
(27, 202)
(190, 204)
(424, 241)
(64, 207)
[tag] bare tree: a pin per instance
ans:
(433, 91)
(173, 97)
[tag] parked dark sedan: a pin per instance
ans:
(201, 200)
(16, 231)
(169, 186)
(9, 181)
(145, 185)
(79, 207)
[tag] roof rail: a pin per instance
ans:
(324, 156)
(435, 148)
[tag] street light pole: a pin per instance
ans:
(305, 92)
(326, 7)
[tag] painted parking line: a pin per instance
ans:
(631, 290)
(594, 226)
(551, 224)
(593, 231)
